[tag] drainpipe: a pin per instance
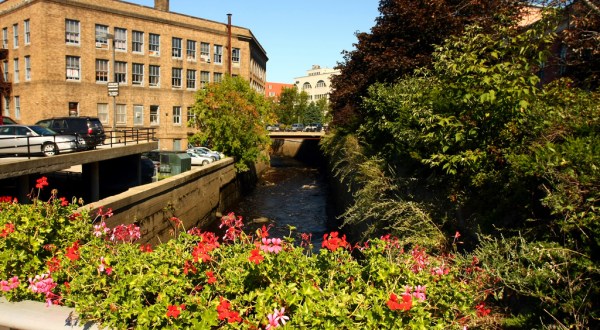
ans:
(229, 43)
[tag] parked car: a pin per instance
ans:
(89, 128)
(33, 139)
(204, 151)
(198, 159)
(313, 127)
(273, 128)
(297, 127)
(4, 120)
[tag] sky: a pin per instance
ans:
(295, 34)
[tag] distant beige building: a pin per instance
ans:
(59, 56)
(316, 83)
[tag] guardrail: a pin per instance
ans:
(130, 135)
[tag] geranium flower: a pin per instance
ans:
(174, 310)
(41, 182)
(394, 304)
(481, 310)
(211, 277)
(226, 313)
(271, 245)
(255, 256)
(12, 283)
(101, 229)
(419, 293)
(8, 228)
(333, 242)
(276, 317)
(188, 267)
(53, 264)
(73, 251)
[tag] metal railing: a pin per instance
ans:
(130, 135)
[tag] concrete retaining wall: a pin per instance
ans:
(195, 197)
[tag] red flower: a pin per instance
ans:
(334, 242)
(255, 256)
(146, 248)
(481, 310)
(176, 221)
(41, 182)
(405, 305)
(225, 313)
(73, 251)
(211, 277)
(189, 267)
(8, 228)
(174, 310)
(64, 201)
(53, 264)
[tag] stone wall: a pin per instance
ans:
(195, 197)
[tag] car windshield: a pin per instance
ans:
(42, 130)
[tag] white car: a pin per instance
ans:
(199, 159)
(204, 151)
(33, 139)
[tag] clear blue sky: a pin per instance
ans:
(295, 34)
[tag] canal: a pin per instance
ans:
(290, 194)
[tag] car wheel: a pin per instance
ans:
(49, 149)
(204, 162)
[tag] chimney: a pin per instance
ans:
(162, 5)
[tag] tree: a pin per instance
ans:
(402, 40)
(232, 116)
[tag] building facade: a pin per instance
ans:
(62, 55)
(316, 83)
(273, 89)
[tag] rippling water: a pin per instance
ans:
(288, 194)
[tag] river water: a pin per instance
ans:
(289, 193)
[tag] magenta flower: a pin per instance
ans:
(420, 293)
(101, 229)
(12, 283)
(271, 245)
(276, 317)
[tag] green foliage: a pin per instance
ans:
(232, 116)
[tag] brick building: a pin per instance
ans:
(60, 55)
(273, 89)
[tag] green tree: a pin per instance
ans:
(285, 109)
(232, 116)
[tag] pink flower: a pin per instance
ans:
(42, 284)
(12, 283)
(271, 245)
(419, 293)
(124, 233)
(101, 229)
(276, 317)
(103, 267)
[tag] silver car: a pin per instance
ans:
(33, 139)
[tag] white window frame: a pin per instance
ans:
(101, 36)
(5, 38)
(15, 70)
(204, 78)
(120, 72)
(177, 115)
(15, 35)
(17, 102)
(120, 40)
(137, 74)
(72, 32)
(27, 31)
(102, 111)
(154, 115)
(121, 114)
(190, 81)
(5, 70)
(73, 67)
(218, 54)
(190, 115)
(205, 51)
(236, 55)
(190, 50)
(27, 68)
(154, 44)
(137, 42)
(138, 115)
(217, 77)
(176, 77)
(102, 70)
(176, 44)
(154, 76)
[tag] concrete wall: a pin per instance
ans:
(195, 197)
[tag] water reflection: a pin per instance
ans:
(288, 194)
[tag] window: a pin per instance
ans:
(191, 116)
(137, 42)
(154, 75)
(177, 115)
(177, 144)
(306, 86)
(6, 106)
(321, 83)
(176, 78)
(103, 112)
(176, 48)
(16, 70)
(27, 31)
(120, 39)
(138, 115)
(218, 77)
(27, 68)
(137, 74)
(205, 51)
(121, 114)
(72, 32)
(191, 79)
(101, 70)
(17, 107)
(5, 70)
(101, 36)
(235, 55)
(154, 44)
(73, 68)
(204, 78)
(121, 72)
(218, 54)
(154, 115)
(191, 50)
(16, 35)
(5, 38)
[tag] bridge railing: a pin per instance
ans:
(130, 135)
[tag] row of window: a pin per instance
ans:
(17, 107)
(16, 72)
(138, 115)
(319, 84)
(15, 30)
